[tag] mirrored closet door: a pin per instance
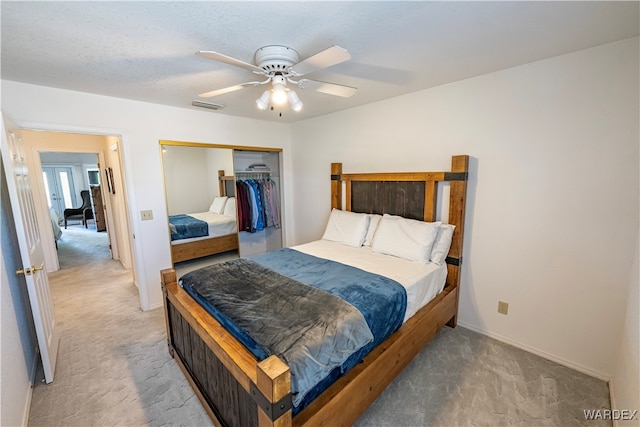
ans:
(222, 199)
(200, 195)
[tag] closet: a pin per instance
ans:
(258, 189)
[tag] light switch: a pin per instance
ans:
(503, 307)
(146, 215)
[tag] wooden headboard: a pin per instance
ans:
(411, 195)
(227, 184)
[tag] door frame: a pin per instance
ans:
(34, 162)
(126, 192)
(40, 197)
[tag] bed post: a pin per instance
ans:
(167, 276)
(273, 381)
(457, 194)
(336, 185)
(221, 184)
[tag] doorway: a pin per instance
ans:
(92, 159)
(30, 144)
(72, 185)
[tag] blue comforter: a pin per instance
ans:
(185, 227)
(382, 301)
(303, 311)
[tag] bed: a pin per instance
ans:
(238, 388)
(215, 232)
(55, 225)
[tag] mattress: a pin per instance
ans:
(422, 281)
(219, 225)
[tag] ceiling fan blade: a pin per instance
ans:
(229, 60)
(328, 88)
(328, 57)
(227, 89)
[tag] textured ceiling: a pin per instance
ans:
(146, 50)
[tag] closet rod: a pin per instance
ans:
(240, 174)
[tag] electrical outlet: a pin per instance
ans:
(503, 307)
(146, 215)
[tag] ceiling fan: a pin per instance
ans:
(281, 65)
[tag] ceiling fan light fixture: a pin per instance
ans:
(279, 91)
(263, 101)
(294, 101)
(280, 65)
(279, 95)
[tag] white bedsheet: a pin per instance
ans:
(219, 225)
(422, 281)
(57, 232)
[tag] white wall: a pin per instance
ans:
(117, 210)
(186, 179)
(141, 126)
(191, 176)
(218, 159)
(552, 213)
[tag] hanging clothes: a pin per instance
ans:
(257, 204)
(243, 206)
(257, 223)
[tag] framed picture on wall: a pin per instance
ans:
(109, 174)
(113, 183)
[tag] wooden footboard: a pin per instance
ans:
(237, 390)
(230, 382)
(205, 247)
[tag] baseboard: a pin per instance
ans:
(612, 398)
(569, 364)
(27, 408)
(34, 374)
(155, 306)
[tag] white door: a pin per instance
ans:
(59, 188)
(30, 243)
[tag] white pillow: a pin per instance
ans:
(348, 228)
(442, 243)
(217, 206)
(374, 220)
(405, 238)
(230, 207)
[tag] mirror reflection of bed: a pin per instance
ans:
(208, 189)
(201, 231)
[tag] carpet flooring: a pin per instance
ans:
(114, 369)
(79, 246)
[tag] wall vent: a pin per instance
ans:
(209, 105)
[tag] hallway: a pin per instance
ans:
(113, 364)
(79, 246)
